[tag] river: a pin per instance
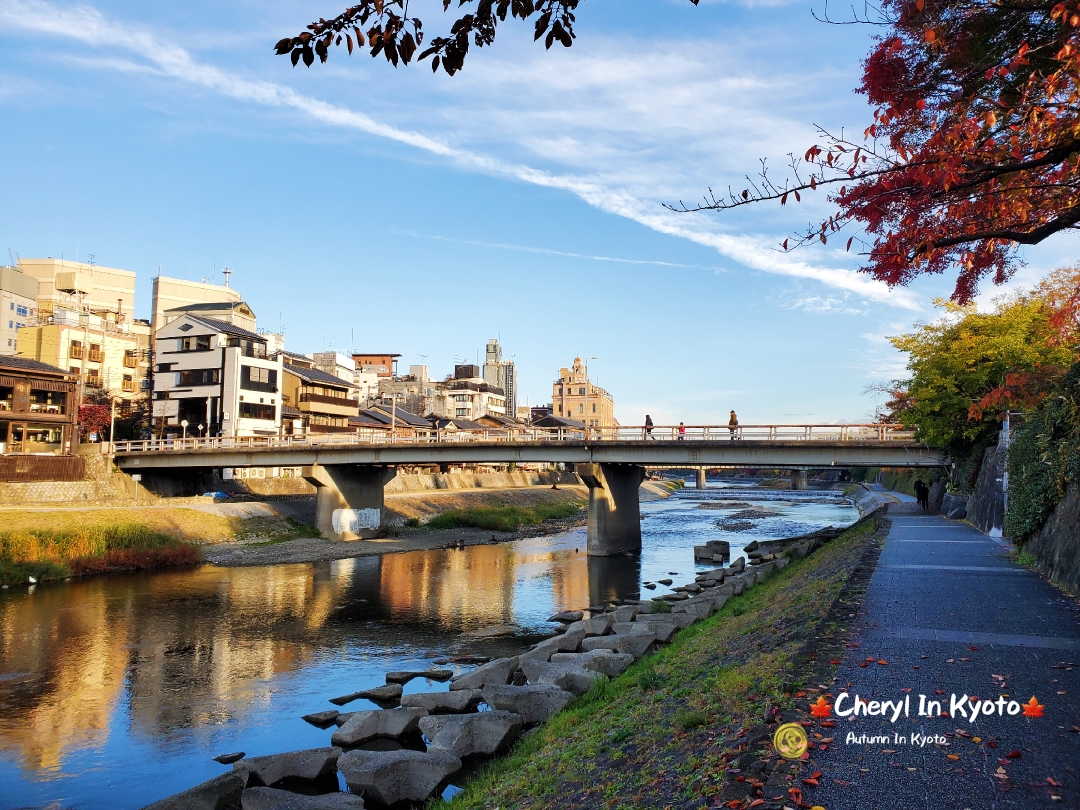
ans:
(118, 690)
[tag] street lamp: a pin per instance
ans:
(184, 424)
(587, 359)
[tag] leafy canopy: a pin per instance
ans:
(968, 368)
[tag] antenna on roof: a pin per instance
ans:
(12, 258)
(226, 272)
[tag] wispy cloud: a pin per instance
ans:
(824, 305)
(605, 192)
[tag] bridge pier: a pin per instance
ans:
(798, 479)
(348, 498)
(614, 509)
(701, 478)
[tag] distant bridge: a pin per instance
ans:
(350, 471)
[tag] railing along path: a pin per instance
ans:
(621, 433)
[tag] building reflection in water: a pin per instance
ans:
(178, 653)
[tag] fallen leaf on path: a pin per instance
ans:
(1054, 782)
(1014, 755)
(953, 757)
(810, 781)
(883, 662)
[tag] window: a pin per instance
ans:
(161, 367)
(199, 343)
(186, 327)
(461, 397)
(249, 348)
(21, 310)
(560, 389)
(581, 409)
(594, 407)
(200, 376)
(581, 391)
(254, 378)
(462, 411)
(560, 410)
(47, 401)
(253, 410)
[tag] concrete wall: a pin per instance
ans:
(986, 506)
(1056, 546)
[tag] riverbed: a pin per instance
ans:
(119, 690)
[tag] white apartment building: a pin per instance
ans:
(171, 293)
(215, 375)
(467, 396)
(18, 305)
(501, 374)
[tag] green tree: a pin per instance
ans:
(961, 363)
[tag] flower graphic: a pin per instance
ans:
(821, 708)
(1033, 708)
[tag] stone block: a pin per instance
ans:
(364, 726)
(266, 798)
(389, 777)
(493, 673)
(607, 662)
(220, 793)
(456, 702)
(310, 764)
(535, 704)
(474, 735)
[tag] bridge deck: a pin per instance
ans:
(703, 445)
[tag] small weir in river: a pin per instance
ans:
(117, 690)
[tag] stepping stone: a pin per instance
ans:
(229, 759)
(431, 674)
(665, 581)
(456, 702)
(494, 673)
(266, 798)
(322, 719)
(535, 704)
(567, 616)
(475, 735)
(608, 662)
(390, 693)
(309, 764)
(221, 791)
(365, 726)
(389, 777)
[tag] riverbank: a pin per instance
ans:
(49, 544)
(691, 725)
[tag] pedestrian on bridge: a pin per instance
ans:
(648, 426)
(733, 422)
(682, 432)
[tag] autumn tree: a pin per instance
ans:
(974, 147)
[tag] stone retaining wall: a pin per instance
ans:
(1056, 545)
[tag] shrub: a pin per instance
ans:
(502, 518)
(686, 719)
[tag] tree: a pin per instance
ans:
(968, 367)
(974, 149)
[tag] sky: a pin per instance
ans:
(368, 208)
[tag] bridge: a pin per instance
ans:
(349, 471)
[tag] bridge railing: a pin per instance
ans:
(619, 433)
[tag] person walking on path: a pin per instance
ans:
(922, 494)
(682, 431)
(733, 422)
(648, 426)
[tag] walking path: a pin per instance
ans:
(947, 609)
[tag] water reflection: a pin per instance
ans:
(131, 683)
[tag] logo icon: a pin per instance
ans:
(790, 741)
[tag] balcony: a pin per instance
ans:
(327, 400)
(130, 361)
(96, 355)
(128, 385)
(75, 352)
(93, 382)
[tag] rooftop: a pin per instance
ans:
(13, 363)
(227, 328)
(313, 375)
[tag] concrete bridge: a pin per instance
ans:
(350, 471)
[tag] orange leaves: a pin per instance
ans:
(821, 708)
(1033, 708)
(991, 119)
(920, 4)
(930, 36)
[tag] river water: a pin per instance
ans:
(118, 690)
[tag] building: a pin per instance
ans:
(501, 374)
(415, 392)
(574, 397)
(105, 355)
(172, 293)
(18, 305)
(467, 396)
(322, 400)
(380, 419)
(340, 365)
(39, 408)
(217, 377)
(385, 365)
(236, 312)
(80, 287)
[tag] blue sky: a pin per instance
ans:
(395, 210)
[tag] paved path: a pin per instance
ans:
(948, 609)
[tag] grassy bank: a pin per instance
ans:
(50, 554)
(502, 518)
(665, 731)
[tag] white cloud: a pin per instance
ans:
(624, 124)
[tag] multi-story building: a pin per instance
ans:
(414, 392)
(18, 305)
(39, 407)
(340, 365)
(323, 400)
(103, 354)
(384, 364)
(501, 374)
(217, 377)
(81, 287)
(574, 397)
(172, 293)
(467, 396)
(237, 313)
